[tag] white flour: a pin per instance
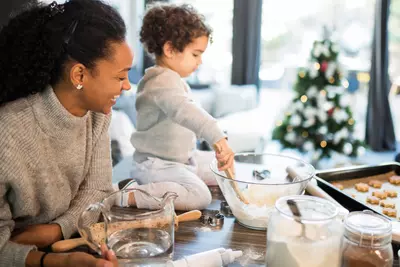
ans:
(254, 216)
(293, 252)
(262, 200)
(250, 256)
(319, 248)
(203, 229)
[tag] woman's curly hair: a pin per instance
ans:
(36, 44)
(178, 24)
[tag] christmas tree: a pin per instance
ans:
(320, 119)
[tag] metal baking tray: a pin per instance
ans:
(326, 177)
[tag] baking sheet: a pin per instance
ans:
(350, 190)
(354, 200)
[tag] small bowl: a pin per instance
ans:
(261, 179)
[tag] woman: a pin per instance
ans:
(62, 67)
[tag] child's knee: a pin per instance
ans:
(200, 200)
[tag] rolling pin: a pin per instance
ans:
(65, 245)
(231, 175)
(312, 188)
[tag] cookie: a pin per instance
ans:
(379, 194)
(390, 212)
(395, 179)
(391, 193)
(387, 204)
(373, 200)
(375, 183)
(361, 187)
(338, 186)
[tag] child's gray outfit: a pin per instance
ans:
(168, 125)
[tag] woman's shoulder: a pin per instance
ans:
(11, 113)
(14, 118)
(14, 107)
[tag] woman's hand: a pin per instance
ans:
(225, 155)
(41, 235)
(83, 259)
(73, 259)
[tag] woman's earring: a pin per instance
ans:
(79, 86)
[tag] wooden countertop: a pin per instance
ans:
(194, 237)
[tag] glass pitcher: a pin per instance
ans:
(312, 240)
(136, 236)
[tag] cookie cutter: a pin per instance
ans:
(261, 175)
(212, 217)
(225, 209)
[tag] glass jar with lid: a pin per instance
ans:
(312, 239)
(367, 240)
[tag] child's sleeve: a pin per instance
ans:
(179, 107)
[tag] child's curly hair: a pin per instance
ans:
(178, 24)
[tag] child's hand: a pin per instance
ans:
(225, 156)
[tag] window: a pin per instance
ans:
(217, 60)
(290, 27)
(394, 64)
(394, 41)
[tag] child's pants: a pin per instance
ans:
(157, 176)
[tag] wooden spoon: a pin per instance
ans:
(65, 245)
(231, 175)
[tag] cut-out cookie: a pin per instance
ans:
(387, 204)
(373, 200)
(379, 194)
(375, 183)
(338, 186)
(390, 212)
(395, 179)
(391, 193)
(361, 187)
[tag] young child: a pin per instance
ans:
(168, 120)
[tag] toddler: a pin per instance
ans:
(168, 120)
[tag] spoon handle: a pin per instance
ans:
(189, 216)
(231, 175)
(295, 209)
(65, 245)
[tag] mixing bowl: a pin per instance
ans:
(261, 179)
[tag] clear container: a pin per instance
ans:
(261, 179)
(138, 237)
(318, 245)
(367, 240)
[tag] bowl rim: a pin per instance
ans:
(319, 200)
(312, 169)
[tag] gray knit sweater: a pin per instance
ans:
(52, 166)
(168, 120)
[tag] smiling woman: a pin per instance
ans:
(57, 87)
